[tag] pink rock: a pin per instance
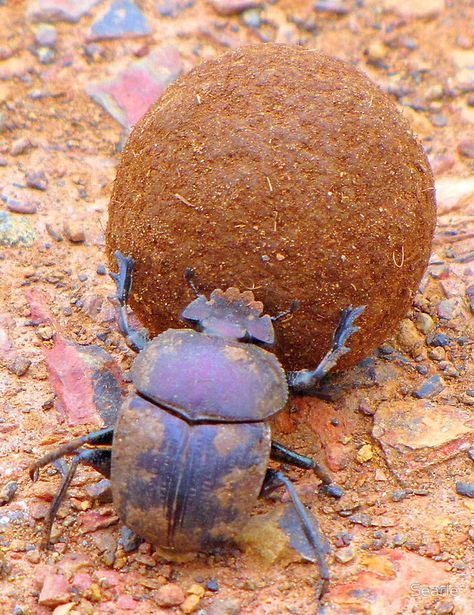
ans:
(82, 582)
(95, 520)
(54, 590)
(127, 603)
(453, 193)
(111, 577)
(132, 91)
(317, 414)
(169, 595)
(72, 384)
(76, 373)
(393, 582)
(417, 433)
(41, 572)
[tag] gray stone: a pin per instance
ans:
(52, 11)
(430, 388)
(123, 19)
(46, 35)
(15, 230)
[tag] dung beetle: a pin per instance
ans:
(188, 456)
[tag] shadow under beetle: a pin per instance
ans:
(188, 456)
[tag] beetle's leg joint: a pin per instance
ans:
(306, 379)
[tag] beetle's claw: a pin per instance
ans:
(34, 472)
(189, 274)
(321, 588)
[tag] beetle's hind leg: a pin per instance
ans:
(273, 480)
(98, 458)
(307, 379)
(123, 279)
(280, 453)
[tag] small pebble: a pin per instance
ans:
(37, 180)
(438, 339)
(18, 207)
(430, 388)
(54, 234)
(365, 408)
(212, 585)
(74, 233)
(466, 489)
(336, 7)
(251, 18)
(365, 453)
(447, 307)
(101, 270)
(169, 595)
(45, 332)
(399, 540)
(45, 55)
(444, 608)
(439, 120)
(20, 146)
(19, 366)
(466, 149)
(470, 295)
(190, 604)
(424, 322)
(129, 540)
(7, 492)
(344, 555)
(46, 35)
(229, 606)
(333, 490)
(398, 496)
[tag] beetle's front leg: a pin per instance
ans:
(306, 379)
(123, 279)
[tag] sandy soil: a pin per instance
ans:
(396, 431)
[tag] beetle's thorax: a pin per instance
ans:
(231, 314)
(205, 378)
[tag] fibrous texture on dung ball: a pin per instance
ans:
(284, 171)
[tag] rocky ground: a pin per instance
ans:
(397, 431)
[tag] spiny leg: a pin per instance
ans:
(307, 379)
(99, 459)
(123, 279)
(274, 479)
(102, 437)
(282, 454)
(189, 276)
(294, 306)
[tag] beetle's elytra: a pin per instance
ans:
(188, 455)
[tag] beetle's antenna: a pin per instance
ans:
(189, 275)
(295, 305)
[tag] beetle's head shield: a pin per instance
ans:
(231, 314)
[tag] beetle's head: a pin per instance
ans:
(231, 314)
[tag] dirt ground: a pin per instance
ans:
(397, 432)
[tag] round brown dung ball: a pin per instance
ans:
(284, 171)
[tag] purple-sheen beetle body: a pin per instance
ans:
(184, 486)
(191, 447)
(207, 378)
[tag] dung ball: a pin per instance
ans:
(284, 171)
